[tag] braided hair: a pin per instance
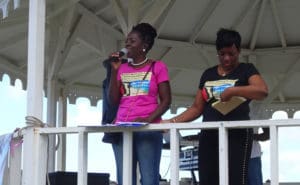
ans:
(147, 33)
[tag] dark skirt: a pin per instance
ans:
(239, 143)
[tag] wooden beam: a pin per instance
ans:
(103, 9)
(159, 24)
(155, 11)
(245, 14)
(85, 70)
(207, 13)
(165, 53)
(9, 23)
(280, 94)
(281, 82)
(93, 18)
(258, 24)
(205, 55)
(12, 41)
(60, 7)
(10, 67)
(66, 40)
(278, 23)
(134, 7)
(212, 48)
(120, 15)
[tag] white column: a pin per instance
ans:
(36, 42)
(61, 122)
(51, 120)
(34, 166)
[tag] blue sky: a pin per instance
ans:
(13, 111)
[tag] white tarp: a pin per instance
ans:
(4, 149)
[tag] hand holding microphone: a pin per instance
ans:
(116, 56)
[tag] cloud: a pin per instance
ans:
(83, 114)
(14, 93)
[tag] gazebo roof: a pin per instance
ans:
(81, 33)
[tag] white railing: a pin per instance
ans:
(40, 135)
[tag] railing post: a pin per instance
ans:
(174, 150)
(127, 157)
(274, 154)
(35, 157)
(82, 158)
(223, 155)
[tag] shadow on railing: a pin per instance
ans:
(39, 140)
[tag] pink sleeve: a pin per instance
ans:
(161, 72)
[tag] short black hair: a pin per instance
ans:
(228, 37)
(147, 32)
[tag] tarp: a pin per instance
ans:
(4, 148)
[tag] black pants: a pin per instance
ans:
(239, 143)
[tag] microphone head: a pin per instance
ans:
(129, 60)
(123, 51)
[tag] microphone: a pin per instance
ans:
(122, 52)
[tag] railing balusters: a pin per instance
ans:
(223, 155)
(274, 155)
(127, 157)
(174, 150)
(82, 158)
(37, 144)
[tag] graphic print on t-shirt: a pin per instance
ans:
(134, 84)
(215, 88)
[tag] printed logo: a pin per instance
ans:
(134, 85)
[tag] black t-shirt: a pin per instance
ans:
(214, 84)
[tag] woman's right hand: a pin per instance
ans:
(116, 64)
(166, 121)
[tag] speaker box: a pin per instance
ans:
(70, 178)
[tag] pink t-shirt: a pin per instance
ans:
(140, 97)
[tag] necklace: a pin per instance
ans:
(141, 63)
(221, 72)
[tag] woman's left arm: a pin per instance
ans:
(164, 92)
(256, 90)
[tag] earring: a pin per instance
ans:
(144, 50)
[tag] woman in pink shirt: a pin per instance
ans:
(141, 89)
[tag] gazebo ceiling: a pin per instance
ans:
(81, 33)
